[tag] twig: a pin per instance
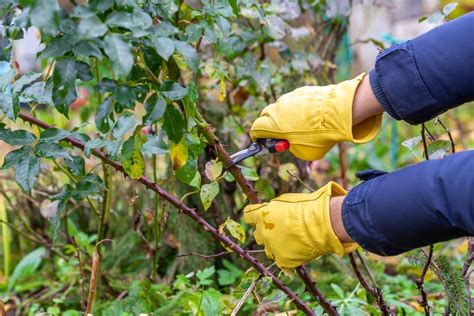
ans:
(245, 297)
(421, 280)
(188, 211)
(467, 275)
(343, 164)
(366, 267)
(300, 181)
(94, 276)
(220, 254)
(315, 292)
(374, 290)
(423, 138)
(448, 131)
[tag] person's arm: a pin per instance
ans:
(415, 206)
(421, 78)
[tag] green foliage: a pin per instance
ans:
(157, 74)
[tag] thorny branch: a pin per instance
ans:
(248, 189)
(186, 210)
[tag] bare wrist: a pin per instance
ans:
(365, 104)
(335, 209)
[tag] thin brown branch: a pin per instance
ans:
(423, 138)
(448, 131)
(467, 275)
(215, 255)
(421, 280)
(188, 211)
(375, 291)
(315, 292)
(247, 293)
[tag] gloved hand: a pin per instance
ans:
(313, 119)
(296, 227)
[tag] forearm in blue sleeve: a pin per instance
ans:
(415, 206)
(421, 78)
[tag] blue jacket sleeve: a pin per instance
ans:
(415, 206)
(421, 78)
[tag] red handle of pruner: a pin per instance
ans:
(276, 145)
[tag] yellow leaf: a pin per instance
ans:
(222, 90)
(235, 229)
(132, 158)
(179, 154)
(213, 169)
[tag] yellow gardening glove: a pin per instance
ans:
(296, 227)
(313, 119)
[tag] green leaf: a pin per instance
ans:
(205, 275)
(165, 29)
(155, 107)
(39, 92)
(83, 71)
(223, 24)
(88, 186)
(138, 20)
(9, 108)
(154, 146)
(163, 46)
(213, 169)
(211, 302)
(45, 15)
(119, 53)
(87, 48)
(132, 158)
(235, 229)
(54, 134)
(173, 90)
(125, 122)
(229, 275)
(76, 165)
(14, 156)
(93, 144)
(91, 27)
(7, 75)
(189, 102)
(101, 5)
(411, 142)
(235, 7)
(103, 114)
(188, 52)
(51, 150)
(16, 138)
(189, 173)
(208, 193)
(24, 80)
(249, 173)
(26, 267)
(439, 149)
(173, 124)
(64, 88)
(26, 171)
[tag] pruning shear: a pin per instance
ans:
(260, 147)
